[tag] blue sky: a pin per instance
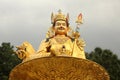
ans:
(29, 20)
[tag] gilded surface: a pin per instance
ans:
(59, 68)
(60, 40)
(60, 56)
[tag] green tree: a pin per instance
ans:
(108, 60)
(8, 60)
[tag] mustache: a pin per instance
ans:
(61, 28)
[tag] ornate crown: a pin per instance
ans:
(59, 16)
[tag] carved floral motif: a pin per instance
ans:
(59, 68)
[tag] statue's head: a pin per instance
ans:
(60, 23)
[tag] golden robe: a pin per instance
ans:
(62, 46)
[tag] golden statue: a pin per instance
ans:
(60, 40)
(60, 56)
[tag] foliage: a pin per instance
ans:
(108, 60)
(8, 60)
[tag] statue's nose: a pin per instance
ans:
(61, 26)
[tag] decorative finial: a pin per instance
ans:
(59, 11)
(52, 18)
(79, 19)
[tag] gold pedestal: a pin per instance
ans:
(59, 68)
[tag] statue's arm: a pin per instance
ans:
(44, 48)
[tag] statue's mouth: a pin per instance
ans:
(61, 28)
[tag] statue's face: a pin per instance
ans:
(61, 27)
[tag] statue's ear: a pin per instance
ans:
(52, 28)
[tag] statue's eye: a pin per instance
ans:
(58, 24)
(64, 24)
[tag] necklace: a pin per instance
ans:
(61, 40)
